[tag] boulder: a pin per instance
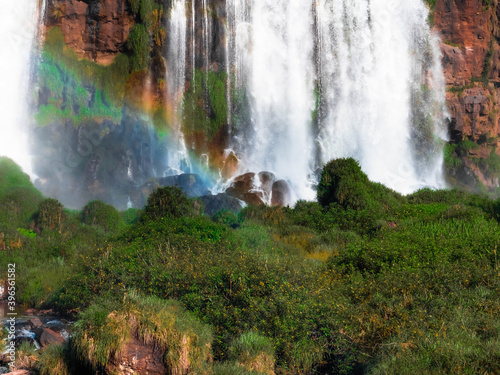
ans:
(281, 194)
(191, 184)
(35, 323)
(46, 337)
(215, 203)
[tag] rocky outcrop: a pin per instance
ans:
(94, 29)
(469, 32)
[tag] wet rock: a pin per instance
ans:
(281, 194)
(191, 184)
(215, 203)
(231, 165)
(35, 323)
(46, 337)
(267, 180)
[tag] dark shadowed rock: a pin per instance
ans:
(281, 194)
(191, 184)
(215, 203)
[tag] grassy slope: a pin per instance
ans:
(399, 285)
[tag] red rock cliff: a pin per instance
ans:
(95, 29)
(471, 60)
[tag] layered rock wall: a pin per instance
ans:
(469, 32)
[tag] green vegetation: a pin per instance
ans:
(80, 90)
(366, 281)
(205, 105)
(102, 215)
(138, 47)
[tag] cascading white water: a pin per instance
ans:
(18, 29)
(370, 66)
(275, 64)
(178, 157)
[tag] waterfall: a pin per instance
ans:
(19, 22)
(372, 61)
(334, 78)
(178, 157)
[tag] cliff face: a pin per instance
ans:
(94, 29)
(100, 30)
(469, 31)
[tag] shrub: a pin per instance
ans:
(343, 182)
(254, 352)
(50, 215)
(102, 215)
(52, 361)
(18, 197)
(167, 202)
(138, 46)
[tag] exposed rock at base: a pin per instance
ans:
(281, 194)
(46, 337)
(138, 358)
(215, 203)
(267, 180)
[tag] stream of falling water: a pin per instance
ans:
(335, 78)
(176, 78)
(19, 22)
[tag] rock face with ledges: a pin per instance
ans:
(94, 29)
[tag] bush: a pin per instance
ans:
(18, 197)
(167, 202)
(50, 215)
(138, 46)
(102, 215)
(344, 183)
(254, 352)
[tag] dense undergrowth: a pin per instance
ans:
(366, 281)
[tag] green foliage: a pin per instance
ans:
(226, 217)
(50, 214)
(205, 104)
(27, 232)
(167, 202)
(344, 183)
(250, 345)
(52, 361)
(102, 215)
(18, 198)
(431, 4)
(138, 47)
(407, 284)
